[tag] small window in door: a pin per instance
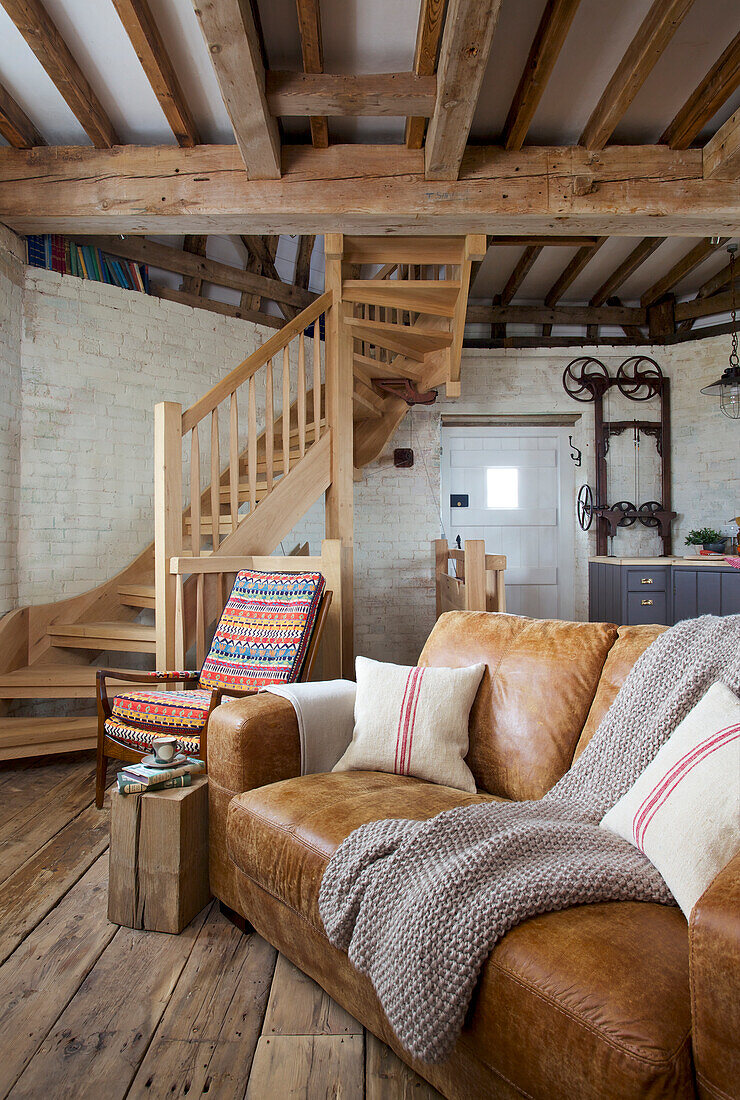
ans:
(502, 487)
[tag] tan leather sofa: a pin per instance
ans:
(603, 1001)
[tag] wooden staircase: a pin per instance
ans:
(281, 418)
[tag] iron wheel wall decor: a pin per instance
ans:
(585, 507)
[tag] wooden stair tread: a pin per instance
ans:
(117, 636)
(21, 737)
(435, 297)
(416, 342)
(49, 682)
(367, 368)
(136, 595)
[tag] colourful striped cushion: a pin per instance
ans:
(264, 631)
(163, 711)
(139, 739)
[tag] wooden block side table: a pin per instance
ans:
(158, 876)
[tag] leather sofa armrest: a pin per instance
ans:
(252, 742)
(714, 963)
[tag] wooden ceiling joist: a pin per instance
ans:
(196, 244)
(428, 34)
(41, 34)
(520, 272)
(564, 241)
(261, 249)
(368, 189)
(317, 94)
(15, 125)
(718, 85)
(303, 260)
(212, 306)
(212, 271)
(312, 50)
(627, 268)
(722, 152)
(560, 315)
(466, 44)
(681, 269)
(653, 35)
(141, 28)
(572, 270)
(231, 37)
(548, 41)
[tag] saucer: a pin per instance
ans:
(151, 761)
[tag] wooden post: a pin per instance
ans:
(339, 495)
(167, 524)
(475, 575)
(332, 552)
(440, 566)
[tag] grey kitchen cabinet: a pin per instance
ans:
(630, 594)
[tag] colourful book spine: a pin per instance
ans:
(103, 268)
(57, 253)
(145, 270)
(96, 265)
(35, 248)
(125, 277)
(67, 257)
(135, 278)
(129, 786)
(83, 260)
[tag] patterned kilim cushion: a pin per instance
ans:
(134, 737)
(161, 712)
(264, 631)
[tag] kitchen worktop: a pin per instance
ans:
(692, 562)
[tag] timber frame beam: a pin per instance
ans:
(626, 190)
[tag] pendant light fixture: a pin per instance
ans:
(728, 386)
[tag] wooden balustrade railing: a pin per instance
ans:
(477, 580)
(264, 415)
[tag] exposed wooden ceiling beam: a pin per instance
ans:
(142, 29)
(556, 342)
(262, 249)
(309, 25)
(195, 243)
(213, 306)
(653, 35)
(520, 272)
(548, 41)
(300, 94)
(185, 263)
(722, 152)
(560, 315)
(303, 260)
(428, 34)
(463, 56)
(681, 269)
(231, 36)
(546, 240)
(368, 189)
(255, 267)
(702, 105)
(15, 125)
(704, 307)
(572, 270)
(41, 34)
(627, 268)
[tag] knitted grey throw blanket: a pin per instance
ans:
(419, 906)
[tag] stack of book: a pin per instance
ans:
(57, 253)
(139, 778)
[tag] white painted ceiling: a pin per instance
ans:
(365, 36)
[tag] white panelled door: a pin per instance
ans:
(519, 484)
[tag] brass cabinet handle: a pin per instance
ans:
(646, 580)
(646, 603)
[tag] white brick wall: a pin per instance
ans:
(95, 360)
(11, 320)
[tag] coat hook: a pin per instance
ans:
(575, 454)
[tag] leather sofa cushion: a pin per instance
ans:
(534, 697)
(631, 643)
(568, 1003)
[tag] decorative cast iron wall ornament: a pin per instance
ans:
(638, 378)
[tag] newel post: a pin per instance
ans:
(339, 495)
(167, 524)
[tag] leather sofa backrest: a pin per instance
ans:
(631, 642)
(540, 682)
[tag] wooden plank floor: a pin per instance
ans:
(88, 1009)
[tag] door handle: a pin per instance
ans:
(646, 603)
(646, 580)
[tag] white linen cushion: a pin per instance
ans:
(413, 721)
(683, 811)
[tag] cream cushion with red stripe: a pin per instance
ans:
(683, 811)
(413, 721)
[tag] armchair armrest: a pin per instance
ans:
(135, 677)
(714, 968)
(253, 741)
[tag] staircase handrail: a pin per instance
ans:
(227, 385)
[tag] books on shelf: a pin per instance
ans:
(57, 253)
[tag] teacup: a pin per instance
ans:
(165, 749)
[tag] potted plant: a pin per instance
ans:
(709, 539)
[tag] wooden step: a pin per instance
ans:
(416, 342)
(435, 297)
(225, 526)
(260, 492)
(367, 399)
(368, 368)
(50, 682)
(136, 595)
(21, 737)
(118, 637)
